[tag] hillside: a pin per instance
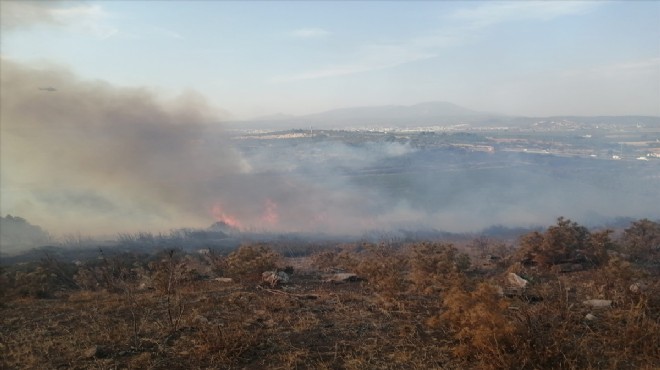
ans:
(566, 297)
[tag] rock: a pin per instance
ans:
(598, 303)
(590, 317)
(638, 287)
(342, 277)
(224, 280)
(96, 352)
(145, 286)
(516, 281)
(275, 277)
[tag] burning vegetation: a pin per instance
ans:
(566, 297)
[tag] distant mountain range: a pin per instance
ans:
(422, 114)
(429, 113)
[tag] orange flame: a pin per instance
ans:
(219, 215)
(270, 215)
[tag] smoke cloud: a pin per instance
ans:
(92, 156)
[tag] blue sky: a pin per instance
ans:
(260, 58)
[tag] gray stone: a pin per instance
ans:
(275, 278)
(342, 277)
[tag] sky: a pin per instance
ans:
(252, 59)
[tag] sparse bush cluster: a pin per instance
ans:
(565, 244)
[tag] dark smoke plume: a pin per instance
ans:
(92, 156)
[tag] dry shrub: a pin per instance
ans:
(169, 275)
(479, 324)
(493, 332)
(565, 242)
(641, 241)
(115, 274)
(171, 272)
(217, 262)
(556, 334)
(384, 268)
(341, 258)
(41, 280)
(436, 266)
(249, 261)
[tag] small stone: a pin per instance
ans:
(590, 317)
(598, 303)
(342, 277)
(275, 278)
(96, 352)
(516, 280)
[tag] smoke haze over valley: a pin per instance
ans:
(85, 152)
(97, 159)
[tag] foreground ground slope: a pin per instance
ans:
(565, 298)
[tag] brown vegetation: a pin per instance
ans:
(419, 305)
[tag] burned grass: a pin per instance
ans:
(310, 324)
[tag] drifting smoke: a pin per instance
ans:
(98, 159)
(387, 186)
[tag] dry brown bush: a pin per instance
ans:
(641, 241)
(248, 262)
(565, 242)
(478, 322)
(436, 267)
(340, 258)
(43, 279)
(384, 268)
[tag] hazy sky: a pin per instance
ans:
(260, 58)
